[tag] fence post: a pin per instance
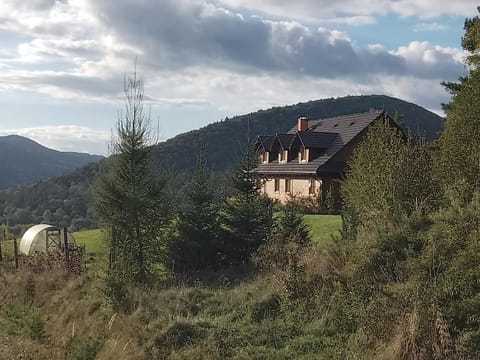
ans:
(112, 250)
(15, 251)
(65, 245)
(84, 256)
(1, 240)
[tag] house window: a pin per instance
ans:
(288, 185)
(276, 184)
(303, 155)
(265, 157)
(283, 156)
(311, 187)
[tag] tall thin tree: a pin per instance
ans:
(130, 197)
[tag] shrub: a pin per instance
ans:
(88, 350)
(268, 308)
(36, 326)
(179, 335)
(22, 320)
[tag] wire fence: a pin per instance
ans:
(70, 258)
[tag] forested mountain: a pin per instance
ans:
(65, 200)
(225, 139)
(24, 161)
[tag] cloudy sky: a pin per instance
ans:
(62, 62)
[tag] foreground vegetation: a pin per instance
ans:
(384, 295)
(229, 318)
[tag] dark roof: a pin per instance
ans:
(265, 141)
(286, 140)
(316, 140)
(338, 131)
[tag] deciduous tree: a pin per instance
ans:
(459, 144)
(390, 174)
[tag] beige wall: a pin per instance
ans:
(299, 188)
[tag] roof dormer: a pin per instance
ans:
(282, 156)
(303, 154)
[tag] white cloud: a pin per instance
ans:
(242, 93)
(429, 26)
(359, 20)
(426, 60)
(313, 10)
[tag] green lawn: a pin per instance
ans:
(92, 239)
(323, 227)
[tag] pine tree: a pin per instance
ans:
(246, 215)
(130, 200)
(291, 227)
(197, 245)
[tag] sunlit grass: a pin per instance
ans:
(92, 240)
(323, 227)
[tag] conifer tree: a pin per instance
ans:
(197, 245)
(246, 215)
(291, 227)
(130, 200)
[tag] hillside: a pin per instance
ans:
(226, 139)
(64, 200)
(25, 161)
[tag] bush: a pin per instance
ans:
(22, 320)
(268, 308)
(117, 291)
(179, 335)
(88, 349)
(36, 326)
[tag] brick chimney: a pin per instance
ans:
(302, 123)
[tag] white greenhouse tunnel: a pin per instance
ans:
(43, 238)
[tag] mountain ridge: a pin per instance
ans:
(230, 135)
(24, 160)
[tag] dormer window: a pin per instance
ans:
(283, 156)
(265, 157)
(303, 155)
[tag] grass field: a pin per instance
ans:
(323, 227)
(91, 239)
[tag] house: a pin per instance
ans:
(309, 160)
